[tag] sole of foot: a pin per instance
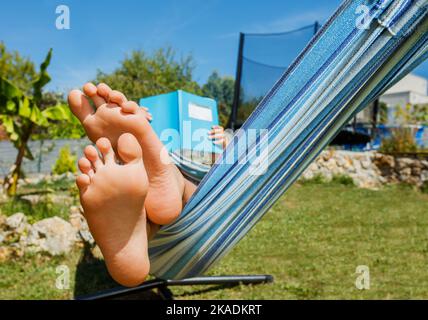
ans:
(112, 196)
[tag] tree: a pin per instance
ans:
(220, 89)
(17, 69)
(412, 114)
(22, 73)
(59, 129)
(141, 75)
(21, 112)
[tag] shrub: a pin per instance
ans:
(401, 140)
(343, 180)
(42, 209)
(66, 161)
(424, 187)
(316, 179)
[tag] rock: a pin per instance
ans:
(341, 160)
(328, 175)
(17, 222)
(405, 174)
(96, 252)
(76, 218)
(308, 175)
(87, 237)
(5, 253)
(417, 164)
(382, 180)
(313, 167)
(53, 198)
(2, 220)
(53, 235)
(34, 180)
(32, 198)
(365, 164)
(78, 221)
(403, 163)
(357, 165)
(3, 196)
(424, 175)
(330, 164)
(349, 165)
(383, 160)
(416, 171)
(424, 164)
(327, 155)
(61, 199)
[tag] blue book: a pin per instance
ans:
(182, 121)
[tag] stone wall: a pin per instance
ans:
(369, 169)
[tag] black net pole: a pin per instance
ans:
(236, 96)
(375, 112)
(316, 27)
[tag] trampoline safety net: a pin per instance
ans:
(262, 59)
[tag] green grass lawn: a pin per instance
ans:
(311, 241)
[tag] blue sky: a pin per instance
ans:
(102, 32)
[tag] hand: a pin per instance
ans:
(217, 135)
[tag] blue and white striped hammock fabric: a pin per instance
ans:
(342, 70)
(192, 170)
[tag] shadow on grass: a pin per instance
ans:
(206, 290)
(91, 274)
(92, 277)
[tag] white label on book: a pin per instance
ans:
(200, 112)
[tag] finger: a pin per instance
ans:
(218, 130)
(216, 136)
(218, 142)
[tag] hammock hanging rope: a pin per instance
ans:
(344, 68)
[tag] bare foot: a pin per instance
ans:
(112, 196)
(113, 116)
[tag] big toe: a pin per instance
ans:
(79, 105)
(128, 148)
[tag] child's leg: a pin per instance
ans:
(112, 197)
(114, 115)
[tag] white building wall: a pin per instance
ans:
(411, 89)
(410, 83)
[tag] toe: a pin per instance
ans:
(106, 150)
(129, 107)
(117, 97)
(79, 105)
(85, 167)
(128, 148)
(91, 91)
(103, 91)
(83, 181)
(92, 154)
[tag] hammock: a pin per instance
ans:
(343, 69)
(192, 170)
